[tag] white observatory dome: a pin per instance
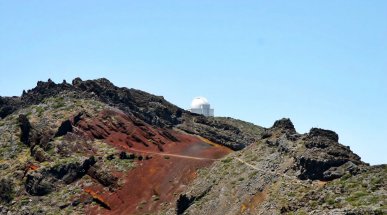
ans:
(198, 102)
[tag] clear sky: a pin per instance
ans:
(320, 63)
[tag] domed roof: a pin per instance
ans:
(198, 102)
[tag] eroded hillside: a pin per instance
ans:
(90, 147)
(288, 173)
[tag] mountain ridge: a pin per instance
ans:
(91, 141)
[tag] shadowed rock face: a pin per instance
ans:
(64, 128)
(43, 182)
(6, 190)
(8, 105)
(25, 128)
(324, 156)
(183, 203)
(318, 133)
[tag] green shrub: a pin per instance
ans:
(227, 160)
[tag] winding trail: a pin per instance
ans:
(268, 172)
(173, 155)
(258, 169)
(210, 159)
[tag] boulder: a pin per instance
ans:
(6, 190)
(25, 128)
(39, 183)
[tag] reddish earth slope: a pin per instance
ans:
(172, 160)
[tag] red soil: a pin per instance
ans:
(153, 184)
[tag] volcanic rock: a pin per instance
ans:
(25, 128)
(6, 190)
(64, 128)
(324, 153)
(39, 184)
(284, 125)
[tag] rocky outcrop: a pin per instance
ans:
(324, 157)
(44, 181)
(318, 133)
(8, 105)
(39, 184)
(25, 129)
(234, 134)
(6, 190)
(284, 125)
(152, 109)
(70, 172)
(182, 203)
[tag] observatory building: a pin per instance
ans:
(200, 105)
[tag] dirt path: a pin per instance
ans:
(173, 155)
(274, 173)
(208, 159)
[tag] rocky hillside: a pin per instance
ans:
(288, 173)
(90, 147)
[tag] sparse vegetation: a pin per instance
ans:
(262, 176)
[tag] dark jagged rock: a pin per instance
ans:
(321, 133)
(41, 91)
(338, 172)
(5, 110)
(285, 125)
(183, 203)
(71, 171)
(25, 128)
(313, 167)
(77, 118)
(324, 156)
(8, 105)
(151, 109)
(38, 184)
(44, 181)
(64, 128)
(6, 190)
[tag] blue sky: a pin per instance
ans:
(320, 63)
